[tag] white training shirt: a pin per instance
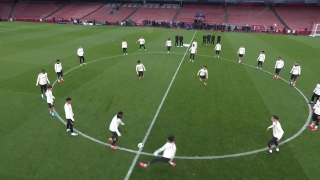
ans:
(57, 67)
(42, 79)
(193, 49)
(277, 130)
(68, 111)
(124, 44)
(168, 43)
(80, 52)
(296, 70)
(140, 67)
(218, 47)
(195, 44)
(203, 72)
(50, 97)
(261, 57)
(141, 41)
(317, 89)
(169, 150)
(115, 124)
(279, 64)
(316, 108)
(242, 50)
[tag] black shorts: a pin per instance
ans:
(140, 73)
(260, 63)
(240, 55)
(60, 74)
(114, 134)
(43, 87)
(50, 105)
(217, 52)
(294, 77)
(315, 117)
(168, 48)
(142, 45)
(203, 77)
(278, 70)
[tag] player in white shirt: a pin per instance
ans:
(279, 65)
(80, 54)
(142, 42)
(241, 52)
(295, 72)
(195, 43)
(140, 69)
(316, 93)
(50, 99)
(124, 45)
(315, 116)
(277, 133)
(203, 73)
(114, 128)
(169, 151)
(261, 59)
(168, 44)
(218, 49)
(69, 116)
(193, 51)
(58, 70)
(42, 80)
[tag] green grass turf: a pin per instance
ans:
(229, 115)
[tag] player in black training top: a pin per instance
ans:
(181, 41)
(219, 39)
(212, 39)
(208, 39)
(176, 42)
(204, 39)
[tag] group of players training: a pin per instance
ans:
(170, 148)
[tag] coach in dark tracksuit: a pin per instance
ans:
(219, 39)
(208, 39)
(212, 39)
(176, 43)
(204, 39)
(181, 41)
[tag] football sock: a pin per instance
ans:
(41, 95)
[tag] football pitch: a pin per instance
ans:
(220, 129)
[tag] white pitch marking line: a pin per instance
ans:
(134, 162)
(191, 157)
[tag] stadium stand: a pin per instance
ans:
(153, 12)
(34, 10)
(104, 15)
(5, 9)
(214, 14)
(299, 18)
(75, 11)
(254, 16)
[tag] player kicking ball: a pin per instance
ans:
(169, 151)
(277, 134)
(203, 74)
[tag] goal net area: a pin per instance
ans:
(315, 30)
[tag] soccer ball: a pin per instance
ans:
(140, 145)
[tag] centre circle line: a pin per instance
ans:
(190, 157)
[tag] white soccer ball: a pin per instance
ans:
(140, 145)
